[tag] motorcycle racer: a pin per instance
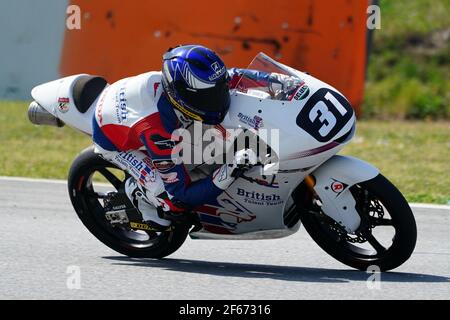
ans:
(135, 119)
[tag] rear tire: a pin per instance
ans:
(90, 211)
(337, 245)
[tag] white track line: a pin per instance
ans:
(430, 206)
(33, 180)
(36, 180)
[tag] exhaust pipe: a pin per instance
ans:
(40, 116)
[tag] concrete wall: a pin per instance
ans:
(31, 37)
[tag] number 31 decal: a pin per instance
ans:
(324, 114)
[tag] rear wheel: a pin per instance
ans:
(86, 197)
(386, 237)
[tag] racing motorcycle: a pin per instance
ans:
(345, 204)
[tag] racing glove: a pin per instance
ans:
(227, 173)
(283, 84)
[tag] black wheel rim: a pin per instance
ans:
(374, 215)
(90, 199)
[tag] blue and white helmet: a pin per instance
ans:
(196, 81)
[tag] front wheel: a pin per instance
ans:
(87, 200)
(386, 237)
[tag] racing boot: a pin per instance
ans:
(137, 195)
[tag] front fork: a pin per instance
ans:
(310, 182)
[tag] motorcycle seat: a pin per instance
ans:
(85, 90)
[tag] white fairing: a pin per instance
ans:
(333, 181)
(48, 94)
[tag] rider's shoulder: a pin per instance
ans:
(150, 77)
(148, 82)
(139, 94)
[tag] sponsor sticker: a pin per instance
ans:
(218, 71)
(144, 226)
(337, 187)
(121, 105)
(137, 167)
(256, 122)
(140, 226)
(184, 110)
(259, 198)
(63, 104)
(302, 92)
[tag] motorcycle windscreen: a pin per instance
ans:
(268, 79)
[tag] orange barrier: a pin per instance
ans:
(325, 38)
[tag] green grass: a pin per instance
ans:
(414, 155)
(405, 17)
(409, 67)
(35, 151)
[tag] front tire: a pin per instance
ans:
(375, 198)
(87, 203)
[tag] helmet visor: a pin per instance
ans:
(206, 101)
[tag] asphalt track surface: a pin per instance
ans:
(41, 239)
